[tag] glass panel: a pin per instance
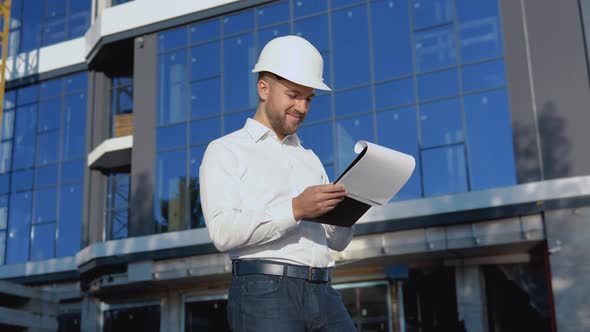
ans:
(47, 148)
(204, 31)
(3, 214)
(7, 125)
(435, 49)
(489, 134)
(24, 137)
(395, 93)
(235, 121)
(46, 176)
(439, 84)
(44, 205)
(118, 205)
(118, 221)
(351, 47)
(398, 130)
(171, 199)
(74, 141)
(320, 108)
(444, 170)
(348, 132)
(4, 183)
(42, 242)
(122, 97)
(308, 7)
(197, 219)
(5, 156)
(243, 21)
(69, 322)
(205, 98)
(315, 30)
(353, 101)
(266, 35)
(79, 17)
(19, 222)
(171, 137)
(273, 14)
(342, 3)
(204, 131)
(320, 139)
(22, 180)
(205, 60)
(49, 112)
(72, 171)
(50, 88)
(239, 83)
(441, 123)
(483, 76)
(391, 39)
(172, 87)
(172, 39)
(480, 32)
(69, 226)
(77, 82)
(2, 246)
(9, 99)
(31, 26)
(431, 12)
(27, 95)
(54, 30)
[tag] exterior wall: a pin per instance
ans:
(568, 237)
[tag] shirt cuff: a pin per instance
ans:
(281, 214)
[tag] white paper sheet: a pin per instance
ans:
(378, 175)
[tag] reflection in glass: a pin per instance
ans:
(489, 137)
(480, 33)
(348, 132)
(205, 98)
(353, 101)
(49, 112)
(119, 186)
(47, 148)
(74, 122)
(45, 205)
(70, 220)
(318, 138)
(394, 93)
(5, 156)
(19, 224)
(429, 13)
(438, 84)
(204, 31)
(196, 212)
(441, 123)
(3, 214)
(205, 60)
(172, 39)
(239, 84)
(350, 47)
(482, 76)
(171, 191)
(7, 124)
(435, 48)
(398, 130)
(42, 241)
(444, 170)
(391, 39)
(172, 87)
(24, 137)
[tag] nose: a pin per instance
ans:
(301, 105)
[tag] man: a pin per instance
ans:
(258, 185)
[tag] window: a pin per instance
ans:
(422, 77)
(140, 318)
(42, 155)
(117, 209)
(35, 23)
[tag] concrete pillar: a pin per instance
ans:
(471, 298)
(91, 315)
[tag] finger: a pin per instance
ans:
(332, 195)
(332, 188)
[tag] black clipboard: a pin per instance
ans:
(350, 210)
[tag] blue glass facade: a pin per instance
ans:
(423, 77)
(42, 155)
(38, 23)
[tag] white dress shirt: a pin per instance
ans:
(248, 179)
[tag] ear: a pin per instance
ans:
(263, 89)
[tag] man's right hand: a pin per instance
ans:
(317, 200)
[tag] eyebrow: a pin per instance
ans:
(299, 92)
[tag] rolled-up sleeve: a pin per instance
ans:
(230, 225)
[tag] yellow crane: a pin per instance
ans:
(5, 26)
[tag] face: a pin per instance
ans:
(284, 104)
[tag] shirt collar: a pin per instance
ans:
(257, 131)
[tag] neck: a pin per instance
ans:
(260, 116)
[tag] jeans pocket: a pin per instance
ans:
(260, 286)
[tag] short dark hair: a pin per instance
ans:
(263, 74)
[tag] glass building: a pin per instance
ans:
(110, 105)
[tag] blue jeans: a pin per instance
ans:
(279, 304)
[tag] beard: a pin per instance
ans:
(280, 123)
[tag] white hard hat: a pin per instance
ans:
(294, 59)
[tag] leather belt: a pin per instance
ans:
(312, 274)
